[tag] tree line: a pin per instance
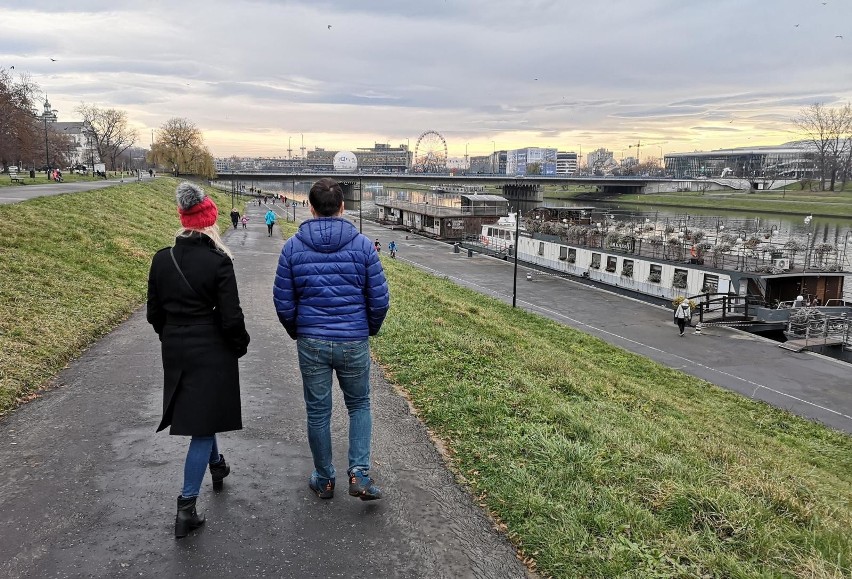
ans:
(30, 140)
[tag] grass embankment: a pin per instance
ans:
(73, 267)
(823, 203)
(602, 463)
(599, 462)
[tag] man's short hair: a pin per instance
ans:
(326, 196)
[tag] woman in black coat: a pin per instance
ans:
(194, 307)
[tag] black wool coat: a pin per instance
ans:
(202, 334)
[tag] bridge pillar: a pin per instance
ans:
(351, 194)
(523, 193)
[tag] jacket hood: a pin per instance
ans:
(326, 234)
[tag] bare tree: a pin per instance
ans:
(180, 147)
(109, 131)
(827, 130)
(19, 135)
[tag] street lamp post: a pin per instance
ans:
(493, 155)
(515, 274)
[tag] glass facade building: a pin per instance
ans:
(790, 161)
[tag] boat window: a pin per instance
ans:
(541, 248)
(711, 284)
(596, 260)
(490, 232)
(572, 255)
(563, 252)
(656, 273)
(611, 262)
(680, 278)
(627, 268)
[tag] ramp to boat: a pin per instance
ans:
(804, 344)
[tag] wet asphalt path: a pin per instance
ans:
(17, 193)
(87, 489)
(806, 384)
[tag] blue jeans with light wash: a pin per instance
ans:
(203, 450)
(351, 362)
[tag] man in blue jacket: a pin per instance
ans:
(331, 294)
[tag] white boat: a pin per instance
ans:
(741, 279)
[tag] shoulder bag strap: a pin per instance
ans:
(180, 271)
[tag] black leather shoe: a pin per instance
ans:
(219, 471)
(187, 518)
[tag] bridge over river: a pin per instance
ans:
(515, 188)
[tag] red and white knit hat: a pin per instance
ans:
(195, 208)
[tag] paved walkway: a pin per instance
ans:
(17, 193)
(87, 488)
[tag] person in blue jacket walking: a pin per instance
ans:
(270, 221)
(331, 295)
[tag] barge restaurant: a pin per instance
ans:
(451, 216)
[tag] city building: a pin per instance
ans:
(479, 165)
(788, 161)
(567, 163)
(600, 160)
(380, 158)
(531, 161)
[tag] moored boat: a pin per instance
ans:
(754, 277)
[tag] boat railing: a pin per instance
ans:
(812, 327)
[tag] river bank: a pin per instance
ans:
(816, 203)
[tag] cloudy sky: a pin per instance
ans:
(674, 75)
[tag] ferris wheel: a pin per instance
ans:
(430, 153)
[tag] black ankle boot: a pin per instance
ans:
(219, 471)
(186, 519)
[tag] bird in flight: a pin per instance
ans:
(52, 60)
(795, 26)
(329, 26)
(840, 36)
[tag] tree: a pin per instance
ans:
(108, 130)
(19, 135)
(827, 130)
(180, 147)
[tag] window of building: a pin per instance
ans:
(572, 255)
(711, 284)
(563, 252)
(627, 268)
(611, 263)
(596, 260)
(656, 274)
(541, 248)
(680, 278)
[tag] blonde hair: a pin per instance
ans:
(213, 233)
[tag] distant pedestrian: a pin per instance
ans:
(377, 245)
(304, 203)
(270, 221)
(800, 302)
(682, 314)
(330, 294)
(151, 173)
(235, 217)
(194, 307)
(244, 221)
(392, 249)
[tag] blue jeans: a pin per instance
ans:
(351, 361)
(203, 450)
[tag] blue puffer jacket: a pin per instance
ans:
(330, 284)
